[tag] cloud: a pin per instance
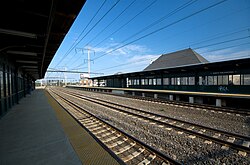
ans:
(147, 59)
(225, 54)
(126, 50)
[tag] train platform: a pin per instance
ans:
(39, 131)
(229, 100)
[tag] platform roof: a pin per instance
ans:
(179, 58)
(31, 31)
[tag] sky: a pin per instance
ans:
(124, 36)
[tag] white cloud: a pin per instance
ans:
(147, 59)
(225, 54)
(126, 50)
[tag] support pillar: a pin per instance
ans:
(171, 97)
(191, 99)
(133, 93)
(218, 102)
(143, 94)
(155, 95)
(177, 98)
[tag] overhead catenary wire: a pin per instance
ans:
(111, 22)
(178, 9)
(70, 49)
(225, 48)
(222, 42)
(126, 23)
(183, 46)
(122, 26)
(89, 30)
(217, 36)
(147, 59)
(162, 28)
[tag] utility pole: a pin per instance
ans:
(65, 77)
(88, 60)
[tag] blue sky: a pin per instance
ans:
(126, 35)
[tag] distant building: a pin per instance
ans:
(179, 58)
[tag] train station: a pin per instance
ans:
(180, 107)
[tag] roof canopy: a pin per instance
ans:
(179, 58)
(31, 31)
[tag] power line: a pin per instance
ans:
(71, 48)
(183, 46)
(162, 28)
(147, 59)
(163, 18)
(122, 26)
(112, 22)
(236, 39)
(225, 48)
(90, 30)
(126, 23)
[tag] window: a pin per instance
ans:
(246, 79)
(154, 81)
(137, 81)
(200, 80)
(215, 80)
(134, 82)
(172, 81)
(236, 79)
(10, 83)
(1, 84)
(6, 84)
(146, 81)
(178, 81)
(129, 82)
(210, 80)
(150, 82)
(142, 82)
(223, 80)
(165, 81)
(191, 81)
(158, 81)
(184, 81)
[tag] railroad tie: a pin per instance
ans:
(111, 138)
(190, 128)
(125, 148)
(231, 140)
(133, 155)
(172, 122)
(179, 132)
(202, 131)
(192, 136)
(147, 161)
(180, 125)
(246, 144)
(116, 143)
(208, 142)
(216, 135)
(169, 129)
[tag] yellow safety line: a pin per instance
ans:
(86, 147)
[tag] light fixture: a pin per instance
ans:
(18, 33)
(30, 67)
(22, 53)
(28, 62)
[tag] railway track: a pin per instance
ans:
(228, 140)
(126, 148)
(244, 112)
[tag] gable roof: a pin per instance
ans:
(179, 58)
